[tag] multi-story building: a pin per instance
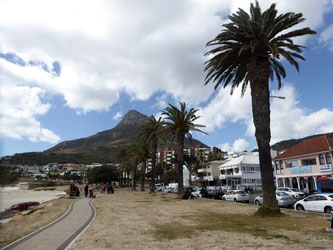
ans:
(209, 172)
(241, 172)
(301, 166)
(202, 153)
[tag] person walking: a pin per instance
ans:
(86, 188)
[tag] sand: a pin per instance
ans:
(12, 195)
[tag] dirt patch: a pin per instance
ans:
(139, 220)
(24, 223)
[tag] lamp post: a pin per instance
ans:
(280, 97)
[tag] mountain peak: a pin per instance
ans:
(132, 118)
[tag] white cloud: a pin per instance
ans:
(225, 108)
(18, 110)
(136, 47)
(118, 116)
(288, 119)
(326, 37)
(239, 145)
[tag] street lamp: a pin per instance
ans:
(280, 97)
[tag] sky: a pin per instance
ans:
(70, 69)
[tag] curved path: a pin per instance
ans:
(63, 231)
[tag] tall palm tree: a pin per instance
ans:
(247, 51)
(134, 152)
(178, 123)
(151, 132)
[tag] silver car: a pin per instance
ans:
(283, 199)
(236, 196)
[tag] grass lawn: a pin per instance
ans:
(139, 220)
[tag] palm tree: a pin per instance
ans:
(140, 153)
(151, 132)
(134, 153)
(178, 123)
(248, 50)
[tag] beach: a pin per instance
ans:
(12, 195)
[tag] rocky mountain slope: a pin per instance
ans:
(100, 147)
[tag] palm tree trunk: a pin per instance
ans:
(128, 178)
(190, 176)
(261, 119)
(153, 159)
(180, 149)
(134, 175)
(143, 173)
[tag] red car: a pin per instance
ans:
(24, 206)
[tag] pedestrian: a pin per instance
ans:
(86, 188)
(104, 188)
(112, 191)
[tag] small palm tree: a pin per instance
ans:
(179, 123)
(247, 51)
(143, 156)
(151, 132)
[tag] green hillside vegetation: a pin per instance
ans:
(284, 145)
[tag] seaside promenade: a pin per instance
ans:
(62, 232)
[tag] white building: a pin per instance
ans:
(241, 172)
(209, 172)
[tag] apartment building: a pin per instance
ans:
(241, 172)
(301, 166)
(209, 172)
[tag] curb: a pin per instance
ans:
(24, 238)
(90, 221)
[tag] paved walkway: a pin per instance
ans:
(60, 233)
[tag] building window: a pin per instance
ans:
(321, 159)
(291, 164)
(277, 167)
(236, 170)
(222, 171)
(309, 162)
(281, 165)
(328, 158)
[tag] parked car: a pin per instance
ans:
(24, 206)
(159, 187)
(291, 191)
(209, 193)
(316, 203)
(236, 195)
(196, 192)
(218, 194)
(283, 199)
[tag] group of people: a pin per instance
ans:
(107, 188)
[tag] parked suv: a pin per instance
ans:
(236, 195)
(291, 191)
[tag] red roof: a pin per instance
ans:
(310, 146)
